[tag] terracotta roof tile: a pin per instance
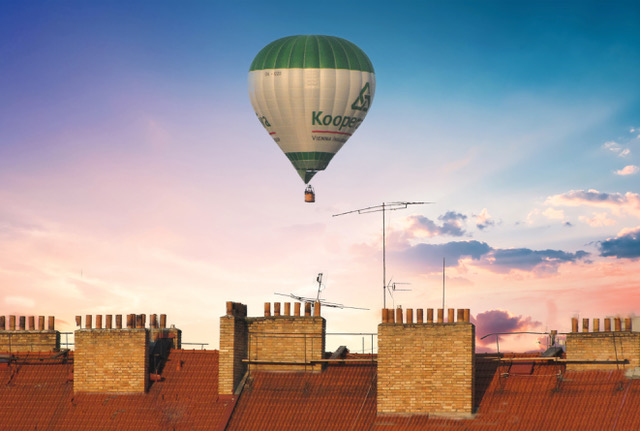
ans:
(341, 397)
(38, 395)
(35, 393)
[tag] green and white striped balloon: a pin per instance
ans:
(311, 93)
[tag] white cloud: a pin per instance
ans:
(617, 203)
(615, 147)
(553, 214)
(628, 170)
(598, 220)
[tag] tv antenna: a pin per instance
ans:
(312, 301)
(384, 207)
(393, 287)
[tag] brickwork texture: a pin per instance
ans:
(272, 343)
(610, 345)
(426, 368)
(111, 360)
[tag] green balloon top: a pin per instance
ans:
(311, 52)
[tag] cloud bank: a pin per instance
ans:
(625, 245)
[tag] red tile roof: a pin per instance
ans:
(35, 393)
(341, 397)
(38, 395)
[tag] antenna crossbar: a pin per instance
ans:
(383, 208)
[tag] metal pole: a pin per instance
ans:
(391, 206)
(443, 280)
(384, 260)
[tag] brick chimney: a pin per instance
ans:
(604, 347)
(26, 337)
(275, 342)
(426, 367)
(233, 347)
(112, 357)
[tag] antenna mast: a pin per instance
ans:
(443, 279)
(386, 206)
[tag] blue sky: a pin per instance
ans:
(135, 177)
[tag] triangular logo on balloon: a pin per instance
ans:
(363, 101)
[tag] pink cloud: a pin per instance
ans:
(628, 170)
(628, 203)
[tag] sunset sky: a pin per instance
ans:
(135, 178)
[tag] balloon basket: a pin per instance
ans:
(309, 194)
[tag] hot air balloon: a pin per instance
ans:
(311, 93)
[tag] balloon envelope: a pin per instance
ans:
(311, 93)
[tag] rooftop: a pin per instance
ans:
(596, 381)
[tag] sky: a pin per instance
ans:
(135, 178)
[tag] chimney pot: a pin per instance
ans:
(22, 326)
(391, 315)
(596, 325)
(618, 322)
(267, 309)
(399, 315)
(109, 321)
(384, 316)
(316, 309)
(574, 324)
(52, 323)
(440, 315)
(118, 321)
(451, 315)
(460, 314)
(79, 321)
(276, 308)
(32, 323)
(41, 323)
(585, 325)
(139, 321)
(627, 324)
(409, 315)
(87, 321)
(467, 315)
(99, 321)
(607, 324)
(420, 315)
(163, 321)
(287, 309)
(12, 323)
(154, 321)
(307, 309)
(229, 308)
(429, 315)
(2, 323)
(296, 309)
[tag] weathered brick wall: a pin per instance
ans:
(282, 342)
(23, 335)
(596, 348)
(29, 341)
(289, 342)
(426, 367)
(111, 360)
(233, 347)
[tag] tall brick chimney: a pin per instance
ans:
(29, 338)
(603, 348)
(113, 358)
(426, 367)
(233, 347)
(275, 342)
